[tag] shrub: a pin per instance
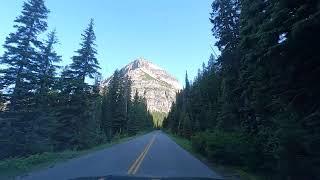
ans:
(199, 142)
(225, 147)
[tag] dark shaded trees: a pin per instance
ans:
(196, 108)
(225, 19)
(275, 81)
(139, 117)
(19, 79)
(257, 104)
(134, 121)
(111, 99)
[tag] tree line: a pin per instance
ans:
(257, 105)
(123, 114)
(46, 107)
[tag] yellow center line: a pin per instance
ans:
(141, 160)
(135, 166)
(137, 160)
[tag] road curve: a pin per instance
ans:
(150, 155)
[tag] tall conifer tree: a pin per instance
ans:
(47, 69)
(85, 63)
(21, 55)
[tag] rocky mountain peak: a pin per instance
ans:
(142, 63)
(153, 83)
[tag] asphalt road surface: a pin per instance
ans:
(150, 155)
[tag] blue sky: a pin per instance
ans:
(174, 34)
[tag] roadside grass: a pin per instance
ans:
(228, 172)
(13, 167)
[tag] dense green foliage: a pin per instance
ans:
(257, 105)
(46, 111)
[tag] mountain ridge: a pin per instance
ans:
(152, 82)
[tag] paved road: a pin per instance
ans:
(151, 155)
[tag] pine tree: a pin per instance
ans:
(18, 77)
(47, 70)
(178, 110)
(105, 112)
(46, 94)
(21, 55)
(75, 109)
(114, 99)
(66, 113)
(146, 121)
(120, 109)
(116, 106)
(133, 123)
(171, 122)
(225, 19)
(187, 82)
(187, 125)
(186, 106)
(85, 63)
(139, 118)
(128, 101)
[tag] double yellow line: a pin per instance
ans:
(137, 163)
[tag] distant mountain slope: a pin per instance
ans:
(152, 82)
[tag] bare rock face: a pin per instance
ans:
(151, 82)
